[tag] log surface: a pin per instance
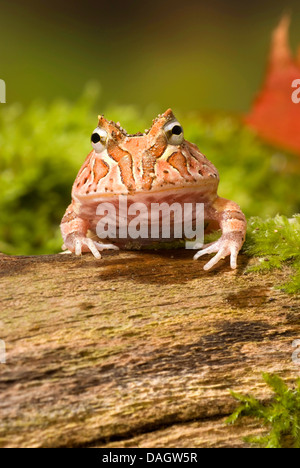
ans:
(138, 349)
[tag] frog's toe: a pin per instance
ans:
(202, 246)
(102, 247)
(78, 244)
(208, 250)
(84, 244)
(233, 257)
(223, 248)
(95, 247)
(222, 253)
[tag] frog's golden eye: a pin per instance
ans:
(174, 133)
(99, 139)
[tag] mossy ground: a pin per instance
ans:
(275, 242)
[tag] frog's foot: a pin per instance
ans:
(79, 244)
(225, 246)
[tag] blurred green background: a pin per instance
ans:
(64, 63)
(188, 54)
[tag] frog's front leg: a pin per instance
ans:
(74, 232)
(233, 224)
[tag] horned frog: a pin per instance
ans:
(152, 167)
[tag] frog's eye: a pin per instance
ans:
(174, 132)
(98, 139)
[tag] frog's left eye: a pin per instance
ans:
(174, 133)
(99, 139)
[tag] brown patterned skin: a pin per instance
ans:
(155, 167)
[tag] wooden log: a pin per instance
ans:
(137, 349)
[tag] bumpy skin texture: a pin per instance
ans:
(153, 167)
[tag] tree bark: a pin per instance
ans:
(137, 349)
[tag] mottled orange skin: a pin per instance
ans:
(148, 168)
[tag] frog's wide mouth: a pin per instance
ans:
(206, 190)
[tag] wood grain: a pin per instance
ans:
(137, 349)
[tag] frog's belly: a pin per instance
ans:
(147, 219)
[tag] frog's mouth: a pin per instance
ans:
(204, 191)
(126, 206)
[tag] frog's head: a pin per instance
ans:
(158, 159)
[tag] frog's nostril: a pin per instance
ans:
(95, 138)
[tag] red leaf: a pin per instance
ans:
(274, 115)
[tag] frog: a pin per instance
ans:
(157, 166)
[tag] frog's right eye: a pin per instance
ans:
(99, 139)
(174, 133)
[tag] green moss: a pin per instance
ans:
(44, 145)
(276, 241)
(281, 415)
